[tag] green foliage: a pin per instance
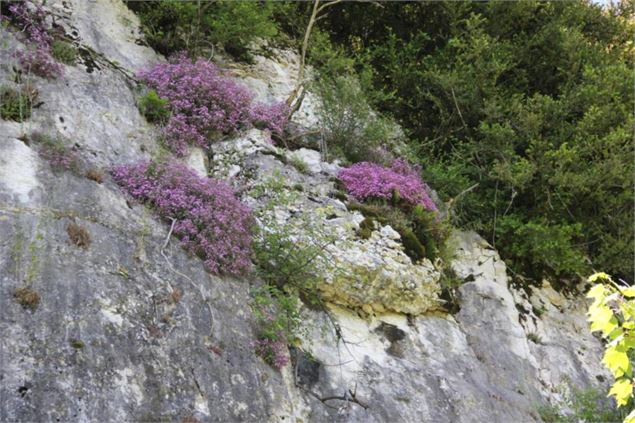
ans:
(533, 245)
(27, 298)
(290, 256)
(173, 25)
(423, 233)
(588, 405)
(64, 52)
(350, 127)
(300, 165)
(532, 100)
(613, 314)
(154, 108)
(16, 104)
(276, 313)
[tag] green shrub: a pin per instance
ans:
(16, 104)
(537, 111)
(154, 108)
(64, 52)
(173, 25)
(350, 127)
(423, 233)
(300, 165)
(290, 256)
(589, 405)
(539, 245)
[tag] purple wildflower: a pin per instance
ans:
(210, 221)
(367, 180)
(204, 102)
(31, 21)
(273, 352)
(40, 62)
(271, 116)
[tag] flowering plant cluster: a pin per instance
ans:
(274, 352)
(54, 151)
(367, 180)
(30, 19)
(204, 102)
(270, 116)
(208, 218)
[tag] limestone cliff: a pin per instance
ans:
(111, 341)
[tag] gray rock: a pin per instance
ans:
(131, 328)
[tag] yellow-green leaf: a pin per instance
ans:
(622, 390)
(597, 291)
(601, 276)
(631, 417)
(616, 361)
(629, 292)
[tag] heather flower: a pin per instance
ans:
(273, 117)
(367, 180)
(274, 352)
(40, 62)
(30, 19)
(203, 103)
(210, 221)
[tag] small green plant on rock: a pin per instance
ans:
(77, 344)
(16, 104)
(300, 165)
(27, 298)
(55, 151)
(588, 405)
(154, 108)
(78, 235)
(64, 52)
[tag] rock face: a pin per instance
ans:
(130, 328)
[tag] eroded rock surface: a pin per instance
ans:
(131, 328)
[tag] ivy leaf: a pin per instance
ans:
(597, 291)
(600, 275)
(622, 390)
(602, 318)
(616, 361)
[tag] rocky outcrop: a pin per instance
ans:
(130, 328)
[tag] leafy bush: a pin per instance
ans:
(290, 255)
(64, 52)
(16, 104)
(399, 182)
(203, 102)
(153, 107)
(539, 243)
(350, 127)
(278, 319)
(587, 406)
(211, 222)
(172, 25)
(530, 100)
